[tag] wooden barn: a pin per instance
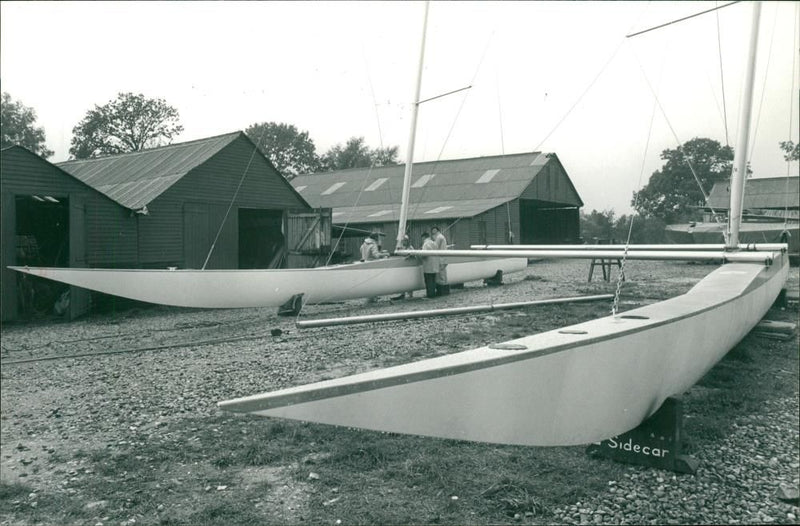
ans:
(159, 208)
(523, 198)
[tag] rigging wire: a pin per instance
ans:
(455, 119)
(621, 273)
(510, 229)
(372, 165)
(585, 91)
(764, 85)
(675, 135)
(499, 111)
(681, 19)
(722, 81)
(233, 199)
(791, 118)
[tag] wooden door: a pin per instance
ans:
(308, 237)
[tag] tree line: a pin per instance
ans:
(132, 122)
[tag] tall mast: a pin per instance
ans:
(739, 173)
(401, 228)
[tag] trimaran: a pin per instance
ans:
(275, 287)
(575, 385)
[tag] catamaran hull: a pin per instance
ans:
(578, 385)
(749, 232)
(269, 288)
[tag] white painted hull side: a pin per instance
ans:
(268, 288)
(564, 387)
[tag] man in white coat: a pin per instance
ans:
(442, 287)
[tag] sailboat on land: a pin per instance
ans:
(273, 288)
(575, 385)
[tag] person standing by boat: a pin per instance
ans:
(369, 252)
(430, 266)
(440, 242)
(405, 244)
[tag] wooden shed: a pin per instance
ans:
(212, 203)
(521, 198)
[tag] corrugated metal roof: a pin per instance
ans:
(762, 193)
(457, 185)
(420, 212)
(135, 179)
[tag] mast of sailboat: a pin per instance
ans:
(401, 227)
(739, 172)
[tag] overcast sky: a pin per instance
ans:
(344, 69)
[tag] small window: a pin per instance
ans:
(423, 180)
(333, 188)
(487, 176)
(438, 209)
(376, 184)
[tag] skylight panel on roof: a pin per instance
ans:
(380, 213)
(487, 176)
(333, 188)
(539, 160)
(301, 188)
(376, 184)
(423, 180)
(438, 209)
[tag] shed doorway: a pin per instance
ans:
(261, 240)
(42, 239)
(543, 222)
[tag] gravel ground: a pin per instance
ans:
(735, 483)
(112, 379)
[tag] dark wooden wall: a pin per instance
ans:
(98, 227)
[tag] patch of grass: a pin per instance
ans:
(513, 498)
(13, 491)
(740, 384)
(225, 512)
(15, 501)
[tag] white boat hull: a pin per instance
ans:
(578, 385)
(269, 288)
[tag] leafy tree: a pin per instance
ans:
(356, 154)
(384, 156)
(597, 225)
(129, 123)
(791, 150)
(672, 193)
(291, 151)
(648, 230)
(18, 124)
(605, 225)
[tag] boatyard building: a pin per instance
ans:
(509, 199)
(159, 208)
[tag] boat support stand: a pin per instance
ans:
(657, 442)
